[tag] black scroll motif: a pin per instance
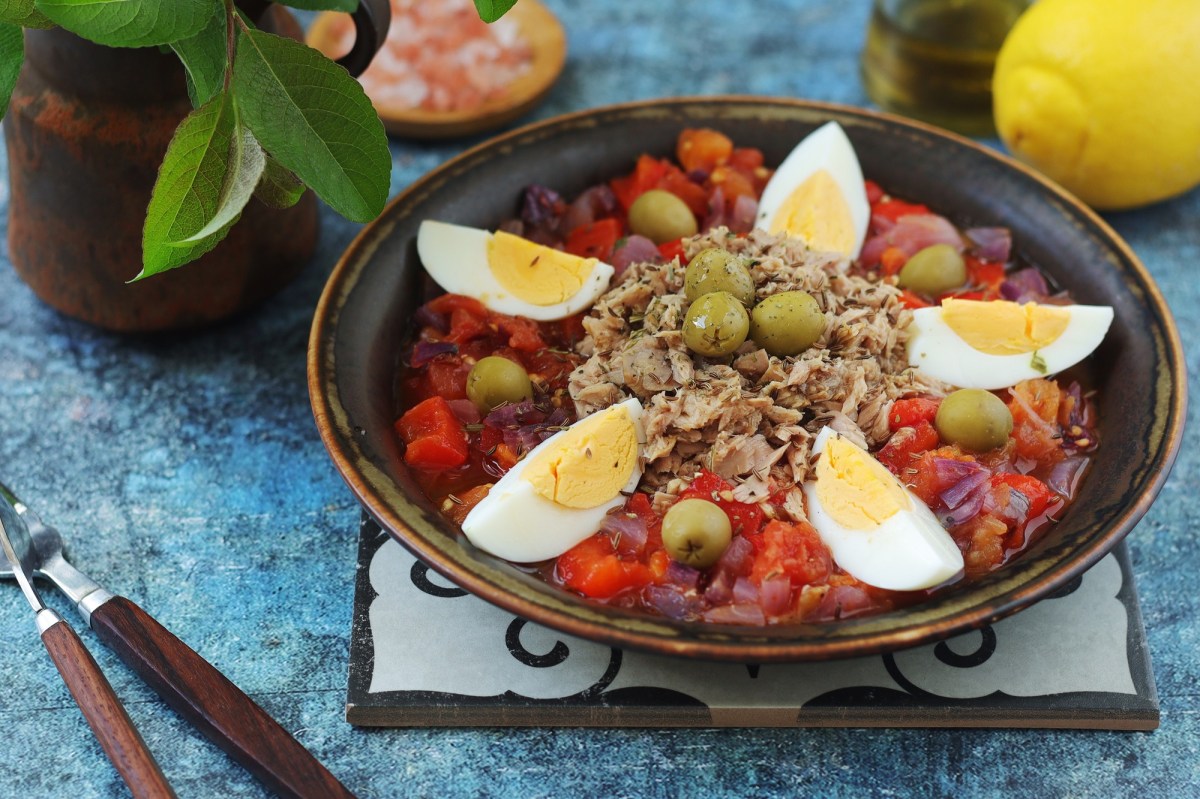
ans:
(512, 639)
(987, 648)
(419, 574)
(1070, 587)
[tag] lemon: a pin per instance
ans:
(1103, 96)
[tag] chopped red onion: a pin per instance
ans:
(1026, 285)
(744, 590)
(635, 249)
(745, 210)
(681, 575)
(741, 613)
(628, 531)
(541, 207)
(720, 588)
(842, 600)
(516, 414)
(991, 243)
(597, 202)
(1064, 477)
(465, 410)
(775, 594)
(910, 234)
(967, 477)
(671, 602)
(716, 211)
(737, 557)
(426, 351)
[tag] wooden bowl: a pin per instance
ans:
(537, 25)
(366, 310)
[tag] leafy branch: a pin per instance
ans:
(272, 117)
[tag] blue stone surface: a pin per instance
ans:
(187, 474)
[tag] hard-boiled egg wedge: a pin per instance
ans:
(560, 492)
(818, 194)
(976, 344)
(510, 274)
(875, 528)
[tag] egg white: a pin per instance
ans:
(827, 148)
(456, 257)
(939, 352)
(908, 551)
(518, 524)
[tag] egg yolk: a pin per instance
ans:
(817, 212)
(590, 463)
(855, 489)
(1000, 327)
(534, 273)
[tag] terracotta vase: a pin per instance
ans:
(86, 131)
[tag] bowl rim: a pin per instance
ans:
(328, 412)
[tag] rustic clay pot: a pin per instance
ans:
(86, 130)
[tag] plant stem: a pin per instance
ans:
(230, 42)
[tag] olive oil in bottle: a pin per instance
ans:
(933, 59)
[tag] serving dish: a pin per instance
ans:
(548, 44)
(364, 313)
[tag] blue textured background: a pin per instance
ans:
(187, 474)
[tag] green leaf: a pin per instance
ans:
(130, 23)
(492, 10)
(22, 12)
(312, 117)
(322, 5)
(246, 163)
(279, 187)
(12, 53)
(205, 57)
(192, 187)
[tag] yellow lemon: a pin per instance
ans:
(1103, 96)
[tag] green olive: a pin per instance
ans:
(787, 323)
(934, 270)
(695, 532)
(661, 217)
(717, 270)
(716, 324)
(974, 419)
(494, 381)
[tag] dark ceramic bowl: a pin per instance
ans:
(365, 310)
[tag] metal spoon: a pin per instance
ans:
(103, 710)
(187, 682)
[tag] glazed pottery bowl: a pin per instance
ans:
(365, 314)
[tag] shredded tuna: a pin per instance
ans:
(751, 421)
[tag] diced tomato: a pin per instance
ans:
(908, 412)
(593, 569)
(892, 260)
(465, 326)
(672, 249)
(875, 192)
(1036, 493)
(693, 194)
(912, 301)
(746, 519)
(733, 184)
(746, 159)
(982, 542)
(645, 176)
(906, 445)
(792, 549)
(702, 148)
(986, 274)
(523, 334)
(433, 436)
(463, 501)
(448, 303)
(447, 376)
(962, 295)
(1034, 408)
(596, 239)
(894, 209)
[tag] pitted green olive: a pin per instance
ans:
(716, 324)
(661, 217)
(695, 532)
(974, 419)
(787, 323)
(934, 270)
(494, 381)
(717, 270)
